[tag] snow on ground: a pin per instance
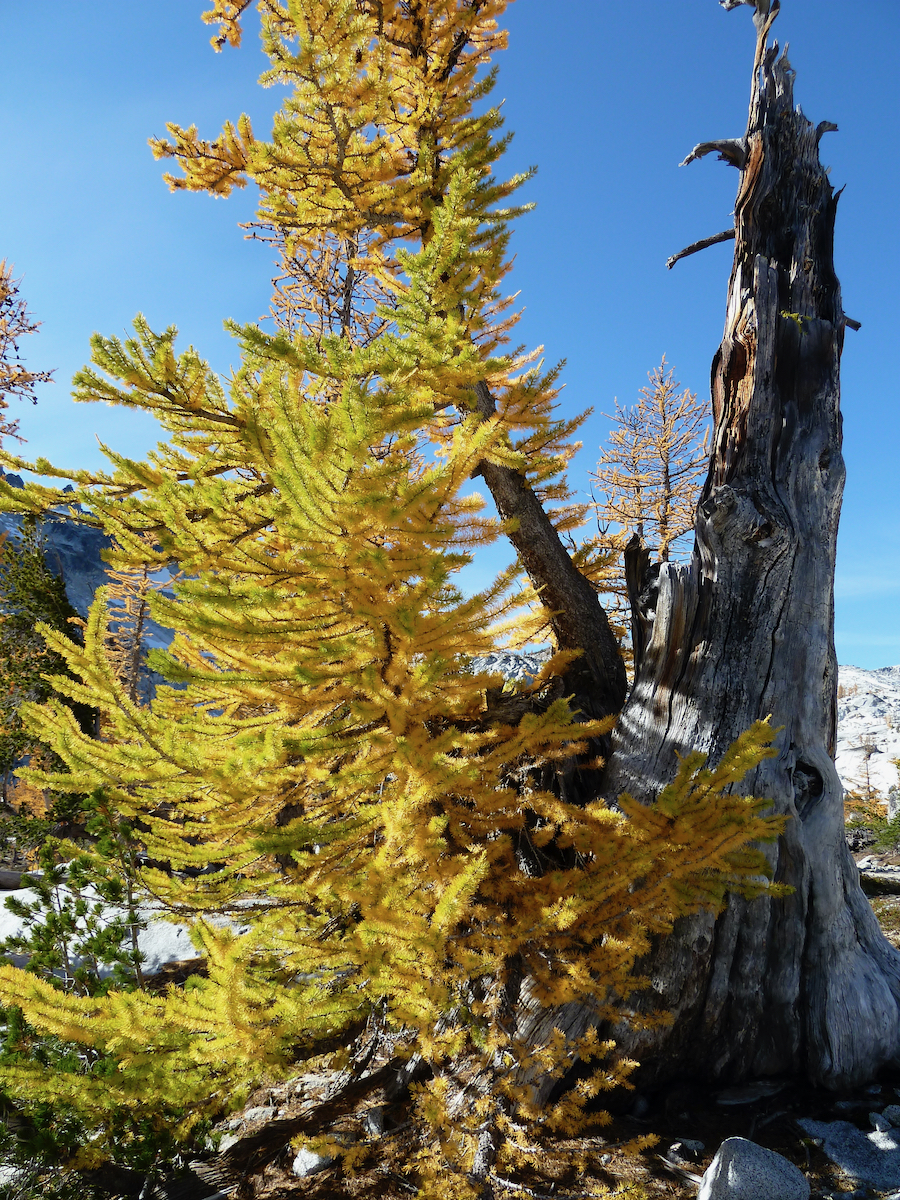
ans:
(868, 727)
(160, 941)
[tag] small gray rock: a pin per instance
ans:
(741, 1170)
(692, 1146)
(262, 1112)
(685, 1150)
(877, 1121)
(640, 1108)
(308, 1162)
(373, 1122)
(750, 1093)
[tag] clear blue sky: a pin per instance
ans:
(605, 98)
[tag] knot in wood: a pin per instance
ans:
(717, 508)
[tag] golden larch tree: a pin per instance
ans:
(379, 851)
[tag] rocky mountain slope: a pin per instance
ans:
(868, 728)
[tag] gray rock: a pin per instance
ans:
(691, 1146)
(741, 1170)
(261, 1112)
(749, 1093)
(73, 551)
(871, 1160)
(877, 1121)
(374, 1121)
(308, 1162)
(892, 1114)
(640, 1107)
(685, 1150)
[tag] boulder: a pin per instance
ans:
(741, 1170)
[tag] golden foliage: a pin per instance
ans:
(15, 323)
(648, 476)
(355, 841)
(657, 455)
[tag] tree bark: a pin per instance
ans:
(805, 985)
(597, 680)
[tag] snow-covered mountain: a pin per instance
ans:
(868, 727)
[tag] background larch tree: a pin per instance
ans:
(647, 483)
(15, 324)
(648, 475)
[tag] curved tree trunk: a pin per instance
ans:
(806, 984)
(597, 680)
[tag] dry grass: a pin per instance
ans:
(887, 910)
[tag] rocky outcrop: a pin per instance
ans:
(74, 553)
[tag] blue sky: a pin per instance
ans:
(606, 99)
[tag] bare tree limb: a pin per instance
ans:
(597, 679)
(764, 8)
(727, 235)
(825, 127)
(730, 150)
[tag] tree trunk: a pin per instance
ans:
(596, 680)
(804, 985)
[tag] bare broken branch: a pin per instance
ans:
(825, 127)
(765, 9)
(726, 235)
(730, 150)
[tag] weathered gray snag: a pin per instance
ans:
(808, 984)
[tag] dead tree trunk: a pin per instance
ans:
(804, 985)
